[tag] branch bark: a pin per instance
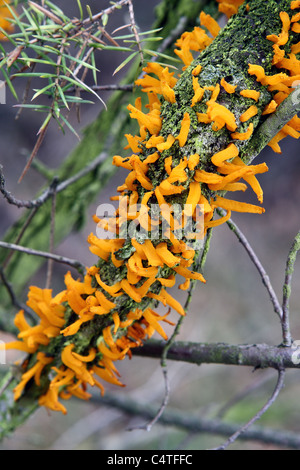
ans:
(258, 356)
(194, 424)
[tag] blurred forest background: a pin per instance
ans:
(233, 307)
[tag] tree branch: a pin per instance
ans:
(53, 188)
(258, 415)
(271, 126)
(259, 356)
(194, 424)
(58, 258)
(287, 337)
(264, 276)
(13, 296)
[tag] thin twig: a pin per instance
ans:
(19, 237)
(264, 276)
(158, 414)
(290, 265)
(107, 11)
(195, 424)
(41, 137)
(109, 87)
(272, 399)
(8, 380)
(59, 259)
(135, 31)
(13, 296)
(241, 395)
(112, 87)
(198, 267)
(51, 241)
(26, 93)
(174, 34)
(30, 204)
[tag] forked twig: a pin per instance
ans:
(34, 203)
(135, 31)
(13, 296)
(264, 276)
(59, 259)
(233, 401)
(258, 415)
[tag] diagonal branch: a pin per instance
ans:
(258, 415)
(58, 258)
(271, 126)
(13, 296)
(264, 276)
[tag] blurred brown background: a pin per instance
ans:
(233, 307)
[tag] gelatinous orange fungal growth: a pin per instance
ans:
(117, 307)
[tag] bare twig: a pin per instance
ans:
(272, 399)
(158, 414)
(59, 259)
(51, 241)
(109, 87)
(135, 31)
(19, 237)
(41, 137)
(107, 11)
(49, 191)
(199, 266)
(195, 424)
(287, 337)
(113, 87)
(46, 12)
(13, 296)
(174, 34)
(241, 395)
(264, 276)
(26, 93)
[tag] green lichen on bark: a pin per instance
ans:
(242, 42)
(258, 356)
